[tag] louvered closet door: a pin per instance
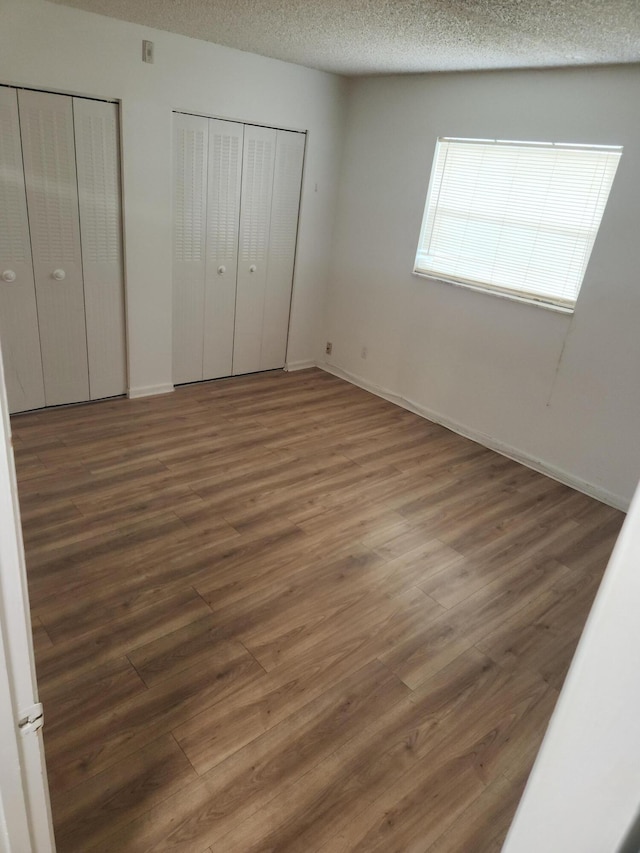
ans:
(255, 210)
(19, 335)
(46, 123)
(189, 245)
(285, 205)
(223, 215)
(98, 166)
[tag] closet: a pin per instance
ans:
(235, 218)
(62, 326)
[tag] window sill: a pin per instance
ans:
(512, 297)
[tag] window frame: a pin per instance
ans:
(526, 297)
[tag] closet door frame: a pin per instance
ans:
(73, 97)
(275, 127)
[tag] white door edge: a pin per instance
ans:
(25, 812)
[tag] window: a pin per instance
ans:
(515, 218)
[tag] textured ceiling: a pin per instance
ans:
(388, 36)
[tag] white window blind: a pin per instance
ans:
(519, 218)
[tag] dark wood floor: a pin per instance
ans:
(277, 613)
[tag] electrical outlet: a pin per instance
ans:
(364, 352)
(329, 348)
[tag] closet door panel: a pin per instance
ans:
(19, 335)
(223, 215)
(285, 205)
(46, 123)
(98, 166)
(253, 250)
(189, 245)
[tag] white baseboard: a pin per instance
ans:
(300, 365)
(532, 462)
(149, 391)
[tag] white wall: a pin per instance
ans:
(561, 392)
(62, 49)
(583, 794)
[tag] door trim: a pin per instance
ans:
(23, 787)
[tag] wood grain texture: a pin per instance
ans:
(278, 613)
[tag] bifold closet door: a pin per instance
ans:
(19, 335)
(253, 250)
(235, 201)
(98, 168)
(272, 177)
(191, 135)
(223, 215)
(48, 147)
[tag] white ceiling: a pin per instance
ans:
(390, 36)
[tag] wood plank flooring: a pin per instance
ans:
(276, 613)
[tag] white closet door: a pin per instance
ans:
(223, 215)
(98, 164)
(285, 205)
(189, 245)
(46, 122)
(255, 209)
(19, 335)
